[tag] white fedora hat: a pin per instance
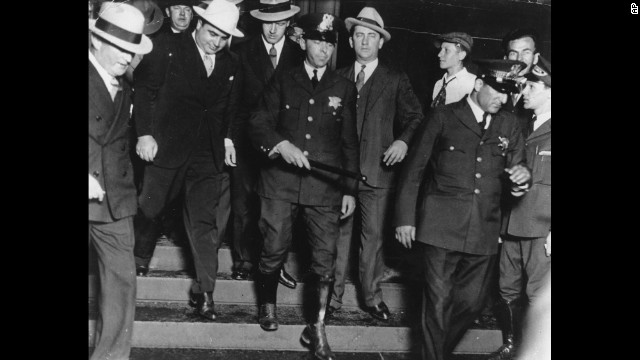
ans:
(152, 13)
(369, 17)
(274, 10)
(221, 14)
(122, 25)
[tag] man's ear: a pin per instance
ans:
(381, 43)
(535, 58)
(351, 41)
(478, 84)
(199, 24)
(303, 44)
(168, 12)
(462, 54)
(96, 42)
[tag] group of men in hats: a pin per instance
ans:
(272, 110)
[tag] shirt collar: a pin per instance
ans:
(477, 110)
(279, 45)
(368, 70)
(541, 119)
(310, 69)
(101, 71)
(460, 73)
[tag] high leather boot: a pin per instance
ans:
(314, 334)
(267, 290)
(507, 314)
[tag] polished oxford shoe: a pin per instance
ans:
(203, 302)
(267, 318)
(240, 275)
(142, 270)
(380, 311)
(286, 279)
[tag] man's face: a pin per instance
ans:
(523, 49)
(488, 98)
(535, 95)
(180, 16)
(274, 31)
(450, 55)
(318, 52)
(112, 58)
(366, 42)
(210, 38)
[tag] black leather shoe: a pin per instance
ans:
(203, 303)
(240, 275)
(286, 279)
(142, 270)
(267, 318)
(380, 311)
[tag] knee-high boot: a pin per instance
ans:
(508, 316)
(267, 291)
(314, 334)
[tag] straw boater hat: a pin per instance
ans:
(369, 17)
(122, 25)
(221, 14)
(274, 10)
(152, 14)
(205, 3)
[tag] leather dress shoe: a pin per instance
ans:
(286, 279)
(268, 319)
(141, 270)
(203, 302)
(240, 274)
(380, 311)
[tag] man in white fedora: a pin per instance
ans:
(260, 56)
(187, 92)
(388, 113)
(115, 36)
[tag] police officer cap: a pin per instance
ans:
(540, 72)
(500, 74)
(320, 26)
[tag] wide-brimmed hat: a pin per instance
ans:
(168, 3)
(152, 14)
(221, 14)
(540, 72)
(500, 74)
(274, 10)
(122, 25)
(369, 17)
(460, 38)
(207, 2)
(320, 26)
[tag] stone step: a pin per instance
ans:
(174, 325)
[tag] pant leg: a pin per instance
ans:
(202, 196)
(113, 243)
(276, 220)
(245, 204)
(323, 230)
(537, 265)
(511, 270)
(343, 252)
(223, 212)
(374, 204)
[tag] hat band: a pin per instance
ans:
(328, 36)
(369, 21)
(118, 32)
(276, 8)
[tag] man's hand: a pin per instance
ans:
(395, 153)
(95, 190)
(405, 235)
(547, 245)
(146, 147)
(519, 174)
(230, 155)
(292, 155)
(348, 206)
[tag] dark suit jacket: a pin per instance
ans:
(109, 160)
(175, 100)
(319, 121)
(460, 209)
(530, 214)
(257, 71)
(392, 112)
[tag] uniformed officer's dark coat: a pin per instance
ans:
(460, 209)
(109, 160)
(530, 214)
(321, 122)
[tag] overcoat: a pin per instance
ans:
(321, 122)
(460, 207)
(392, 112)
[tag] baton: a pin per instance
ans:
(337, 170)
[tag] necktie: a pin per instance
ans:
(483, 123)
(532, 126)
(208, 64)
(115, 87)
(360, 78)
(273, 54)
(314, 79)
(442, 95)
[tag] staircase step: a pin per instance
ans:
(174, 325)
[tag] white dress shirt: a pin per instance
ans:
(458, 85)
(368, 70)
(478, 112)
(279, 45)
(541, 119)
(310, 69)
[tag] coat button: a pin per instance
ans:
(478, 175)
(476, 191)
(307, 136)
(481, 142)
(98, 118)
(305, 153)
(358, 96)
(96, 173)
(311, 101)
(286, 106)
(338, 119)
(310, 118)
(123, 148)
(124, 173)
(451, 148)
(334, 113)
(479, 159)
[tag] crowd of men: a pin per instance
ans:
(264, 129)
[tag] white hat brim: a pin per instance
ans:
(235, 32)
(144, 47)
(350, 22)
(278, 16)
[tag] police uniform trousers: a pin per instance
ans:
(521, 256)
(455, 289)
(113, 243)
(202, 184)
(322, 224)
(373, 206)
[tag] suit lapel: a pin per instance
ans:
(259, 60)
(379, 80)
(327, 81)
(98, 93)
(119, 108)
(542, 130)
(465, 115)
(192, 64)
